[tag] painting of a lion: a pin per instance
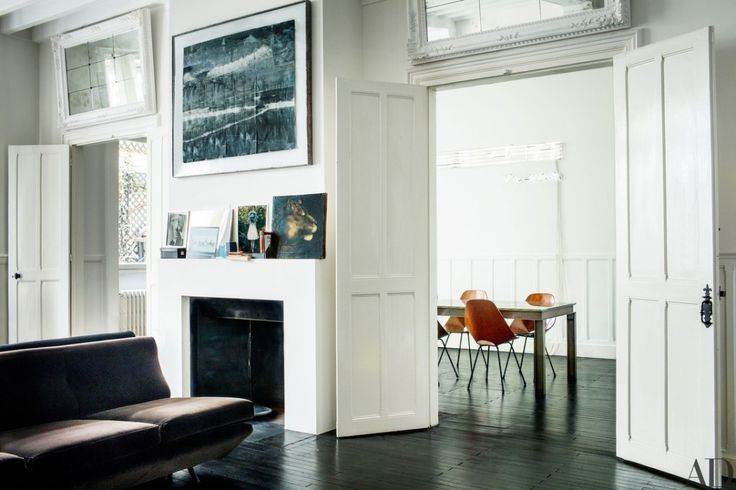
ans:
(299, 223)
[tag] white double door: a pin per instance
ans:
(38, 242)
(667, 415)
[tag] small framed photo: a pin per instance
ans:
(177, 226)
(251, 222)
(203, 242)
(104, 72)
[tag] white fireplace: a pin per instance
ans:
(309, 385)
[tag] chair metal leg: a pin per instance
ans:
(470, 354)
(443, 352)
(194, 476)
(554, 374)
(460, 350)
(498, 357)
(523, 352)
(488, 357)
(518, 364)
(472, 367)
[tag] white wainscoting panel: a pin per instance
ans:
(588, 280)
(727, 310)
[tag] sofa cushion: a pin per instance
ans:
(34, 388)
(182, 417)
(71, 444)
(111, 374)
(12, 467)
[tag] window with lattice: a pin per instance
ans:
(132, 205)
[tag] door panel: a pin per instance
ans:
(38, 242)
(383, 304)
(667, 415)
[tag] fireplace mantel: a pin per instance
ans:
(309, 389)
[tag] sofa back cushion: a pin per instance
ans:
(111, 374)
(34, 388)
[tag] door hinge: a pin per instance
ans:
(721, 292)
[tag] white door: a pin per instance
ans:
(383, 258)
(38, 242)
(666, 410)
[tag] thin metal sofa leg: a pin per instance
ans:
(194, 476)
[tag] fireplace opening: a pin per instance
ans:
(237, 350)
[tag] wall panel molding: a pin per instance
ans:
(727, 310)
(588, 280)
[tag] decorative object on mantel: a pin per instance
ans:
(104, 72)
(173, 253)
(299, 225)
(242, 94)
(251, 221)
(439, 29)
(219, 219)
(203, 242)
(177, 226)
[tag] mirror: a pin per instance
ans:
(105, 71)
(446, 28)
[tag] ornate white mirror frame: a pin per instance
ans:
(615, 14)
(137, 22)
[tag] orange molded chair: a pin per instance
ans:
(525, 328)
(456, 324)
(489, 328)
(442, 335)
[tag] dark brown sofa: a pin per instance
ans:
(100, 415)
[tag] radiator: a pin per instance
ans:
(133, 311)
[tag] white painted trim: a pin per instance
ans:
(102, 9)
(548, 57)
(3, 258)
(112, 254)
(7, 6)
(39, 12)
(140, 127)
(132, 267)
(94, 259)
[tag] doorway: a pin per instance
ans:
(525, 197)
(110, 230)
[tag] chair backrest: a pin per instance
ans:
(540, 299)
(473, 294)
(485, 322)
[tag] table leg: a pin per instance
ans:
(540, 370)
(572, 359)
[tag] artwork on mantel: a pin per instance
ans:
(177, 226)
(242, 94)
(251, 221)
(203, 242)
(299, 223)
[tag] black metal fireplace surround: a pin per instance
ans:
(237, 349)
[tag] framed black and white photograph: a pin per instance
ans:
(242, 94)
(177, 226)
(104, 72)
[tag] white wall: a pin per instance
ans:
(18, 126)
(501, 236)
(306, 287)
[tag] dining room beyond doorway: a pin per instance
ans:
(525, 204)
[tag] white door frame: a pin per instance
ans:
(535, 60)
(147, 127)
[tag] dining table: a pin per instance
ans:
(539, 315)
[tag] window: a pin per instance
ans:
(132, 205)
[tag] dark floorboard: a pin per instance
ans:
(484, 441)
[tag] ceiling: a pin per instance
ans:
(41, 19)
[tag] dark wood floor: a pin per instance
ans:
(484, 440)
